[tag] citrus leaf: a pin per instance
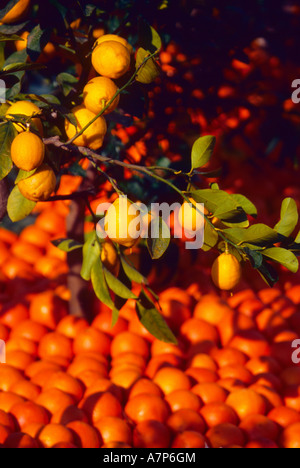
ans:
(297, 240)
(284, 257)
(36, 42)
(255, 257)
(132, 273)
(202, 151)
(288, 218)
(22, 175)
(117, 286)
(18, 207)
(19, 67)
(7, 135)
(91, 252)
(10, 37)
(268, 274)
(148, 37)
(7, 8)
(100, 285)
(115, 317)
(256, 235)
(67, 245)
(246, 204)
(211, 237)
(217, 202)
(159, 239)
(148, 71)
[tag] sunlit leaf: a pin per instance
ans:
(284, 257)
(202, 151)
(19, 207)
(288, 218)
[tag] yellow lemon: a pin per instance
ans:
(110, 258)
(97, 94)
(226, 272)
(93, 137)
(27, 151)
(112, 37)
(111, 59)
(26, 109)
(17, 12)
(40, 185)
(123, 223)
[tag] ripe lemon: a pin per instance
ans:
(226, 272)
(111, 59)
(17, 12)
(27, 109)
(97, 94)
(110, 258)
(189, 218)
(113, 37)
(93, 137)
(121, 225)
(27, 151)
(40, 185)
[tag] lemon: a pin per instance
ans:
(226, 272)
(121, 225)
(27, 151)
(97, 94)
(113, 37)
(190, 219)
(40, 185)
(93, 137)
(110, 258)
(26, 109)
(17, 12)
(111, 59)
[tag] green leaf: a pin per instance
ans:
(255, 257)
(220, 204)
(115, 317)
(148, 71)
(258, 235)
(117, 286)
(153, 321)
(18, 67)
(202, 151)
(19, 207)
(211, 237)
(100, 285)
(10, 37)
(159, 239)
(67, 245)
(284, 257)
(22, 175)
(148, 37)
(269, 274)
(288, 218)
(132, 273)
(67, 82)
(91, 253)
(246, 204)
(7, 135)
(297, 240)
(36, 42)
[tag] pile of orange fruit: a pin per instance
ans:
(66, 383)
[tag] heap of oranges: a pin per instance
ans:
(230, 381)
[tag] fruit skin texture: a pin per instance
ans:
(27, 151)
(97, 94)
(28, 109)
(226, 272)
(118, 221)
(111, 59)
(17, 12)
(93, 137)
(40, 185)
(113, 37)
(109, 258)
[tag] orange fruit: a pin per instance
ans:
(129, 359)
(210, 393)
(21, 441)
(53, 434)
(67, 384)
(233, 324)
(246, 403)
(238, 372)
(19, 359)
(231, 385)
(263, 364)
(8, 400)
(71, 326)
(284, 417)
(82, 363)
(126, 378)
(28, 413)
(91, 339)
(218, 413)
(4, 333)
(226, 272)
(170, 380)
(122, 222)
(114, 430)
(127, 342)
(40, 366)
(111, 59)
(9, 375)
(98, 93)
(51, 267)
(188, 440)
(261, 444)
(186, 420)
(69, 414)
(251, 343)
(13, 314)
(197, 330)
(54, 400)
(160, 348)
(4, 433)
(17, 12)
(22, 344)
(143, 407)
(4, 253)
(199, 375)
(225, 435)
(229, 356)
(40, 185)
(8, 237)
(183, 399)
(7, 420)
(116, 445)
(51, 222)
(26, 109)
(33, 429)
(85, 435)
(259, 427)
(203, 361)
(47, 309)
(161, 361)
(100, 405)
(151, 434)
(27, 252)
(103, 386)
(93, 137)
(26, 389)
(103, 321)
(290, 438)
(145, 386)
(55, 344)
(90, 377)
(15, 268)
(27, 151)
